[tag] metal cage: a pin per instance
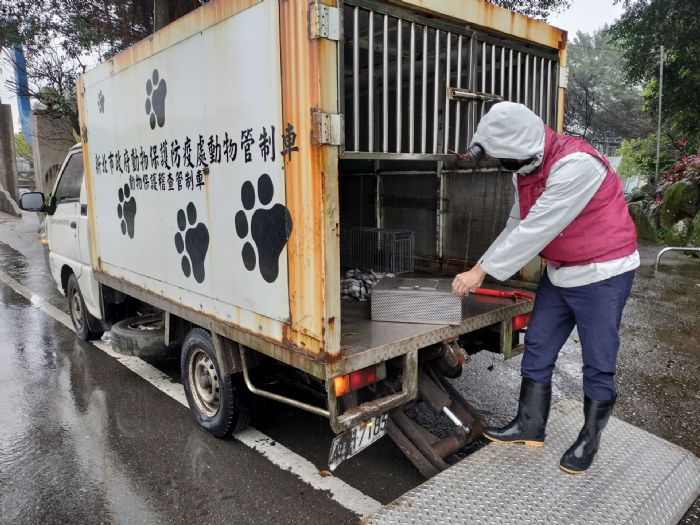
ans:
(416, 87)
(377, 249)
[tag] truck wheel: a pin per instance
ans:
(142, 336)
(219, 402)
(79, 315)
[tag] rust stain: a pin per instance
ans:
(192, 23)
(304, 195)
(331, 359)
(302, 347)
(484, 15)
(329, 66)
(80, 91)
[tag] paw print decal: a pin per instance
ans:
(126, 211)
(194, 240)
(269, 228)
(101, 102)
(156, 89)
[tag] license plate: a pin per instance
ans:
(356, 439)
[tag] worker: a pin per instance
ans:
(569, 209)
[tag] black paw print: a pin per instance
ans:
(269, 228)
(156, 89)
(195, 243)
(126, 210)
(101, 102)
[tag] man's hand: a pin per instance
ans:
(466, 282)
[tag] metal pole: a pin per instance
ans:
(658, 127)
(356, 79)
(385, 87)
(399, 83)
(436, 91)
(448, 73)
(370, 83)
(424, 92)
(412, 91)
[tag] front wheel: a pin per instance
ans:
(79, 315)
(219, 402)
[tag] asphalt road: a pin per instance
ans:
(88, 438)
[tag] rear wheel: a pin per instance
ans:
(219, 402)
(79, 315)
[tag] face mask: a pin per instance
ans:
(513, 164)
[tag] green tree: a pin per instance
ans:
(602, 105)
(22, 148)
(540, 9)
(647, 24)
(62, 38)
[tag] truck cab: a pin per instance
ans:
(68, 233)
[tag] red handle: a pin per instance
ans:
(493, 293)
(515, 295)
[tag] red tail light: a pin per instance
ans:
(359, 379)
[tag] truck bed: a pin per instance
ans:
(365, 342)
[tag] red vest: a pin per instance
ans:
(603, 231)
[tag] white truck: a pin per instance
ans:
(219, 159)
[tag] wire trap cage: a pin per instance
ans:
(378, 249)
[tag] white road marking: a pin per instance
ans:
(347, 496)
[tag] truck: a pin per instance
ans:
(233, 164)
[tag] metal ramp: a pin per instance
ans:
(636, 478)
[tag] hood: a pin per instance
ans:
(510, 131)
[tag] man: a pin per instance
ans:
(570, 209)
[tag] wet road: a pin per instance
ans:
(84, 439)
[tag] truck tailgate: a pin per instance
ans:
(636, 478)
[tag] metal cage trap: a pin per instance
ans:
(378, 249)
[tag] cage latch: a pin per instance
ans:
(456, 93)
(324, 22)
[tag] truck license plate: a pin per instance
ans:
(356, 439)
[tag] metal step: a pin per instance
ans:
(636, 478)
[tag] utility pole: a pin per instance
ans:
(658, 127)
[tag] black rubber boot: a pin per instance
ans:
(533, 411)
(580, 455)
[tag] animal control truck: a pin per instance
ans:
(226, 160)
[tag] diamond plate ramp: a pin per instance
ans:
(636, 478)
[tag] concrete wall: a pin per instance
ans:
(8, 161)
(8, 204)
(52, 138)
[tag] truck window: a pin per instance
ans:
(69, 186)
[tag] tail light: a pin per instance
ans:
(359, 379)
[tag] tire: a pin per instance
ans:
(82, 319)
(219, 403)
(142, 336)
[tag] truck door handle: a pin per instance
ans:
(83, 209)
(73, 225)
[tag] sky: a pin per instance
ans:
(586, 15)
(583, 15)
(6, 96)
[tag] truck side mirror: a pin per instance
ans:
(32, 201)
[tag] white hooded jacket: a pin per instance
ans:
(511, 130)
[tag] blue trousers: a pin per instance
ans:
(596, 310)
